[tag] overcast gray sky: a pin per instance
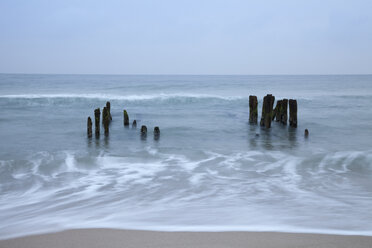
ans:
(186, 37)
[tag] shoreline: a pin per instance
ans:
(112, 238)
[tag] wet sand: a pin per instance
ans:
(113, 238)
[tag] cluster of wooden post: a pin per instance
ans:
(143, 127)
(144, 132)
(106, 119)
(279, 113)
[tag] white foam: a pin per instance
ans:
(160, 96)
(244, 190)
(70, 162)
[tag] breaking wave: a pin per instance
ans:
(161, 96)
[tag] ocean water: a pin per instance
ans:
(210, 170)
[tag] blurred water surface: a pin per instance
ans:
(210, 169)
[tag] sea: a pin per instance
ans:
(210, 170)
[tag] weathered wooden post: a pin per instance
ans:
(267, 110)
(156, 133)
(277, 112)
(105, 120)
(126, 118)
(104, 113)
(108, 106)
(134, 124)
(306, 133)
(143, 132)
(253, 113)
(292, 113)
(144, 129)
(97, 115)
(284, 112)
(280, 111)
(89, 127)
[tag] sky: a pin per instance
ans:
(186, 37)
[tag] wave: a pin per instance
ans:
(138, 97)
(160, 96)
(168, 99)
(33, 100)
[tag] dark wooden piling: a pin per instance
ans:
(277, 112)
(134, 124)
(280, 111)
(108, 106)
(267, 110)
(253, 113)
(284, 112)
(292, 113)
(156, 133)
(89, 127)
(126, 118)
(105, 120)
(144, 129)
(104, 113)
(97, 115)
(143, 132)
(306, 133)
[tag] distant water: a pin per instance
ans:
(209, 170)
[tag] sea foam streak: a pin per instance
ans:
(249, 183)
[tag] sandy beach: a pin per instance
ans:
(111, 238)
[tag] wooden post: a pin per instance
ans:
(89, 127)
(105, 120)
(267, 110)
(280, 111)
(292, 113)
(134, 124)
(156, 133)
(104, 113)
(144, 129)
(143, 132)
(277, 111)
(253, 113)
(306, 133)
(284, 112)
(97, 115)
(108, 106)
(126, 118)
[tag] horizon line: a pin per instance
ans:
(180, 74)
